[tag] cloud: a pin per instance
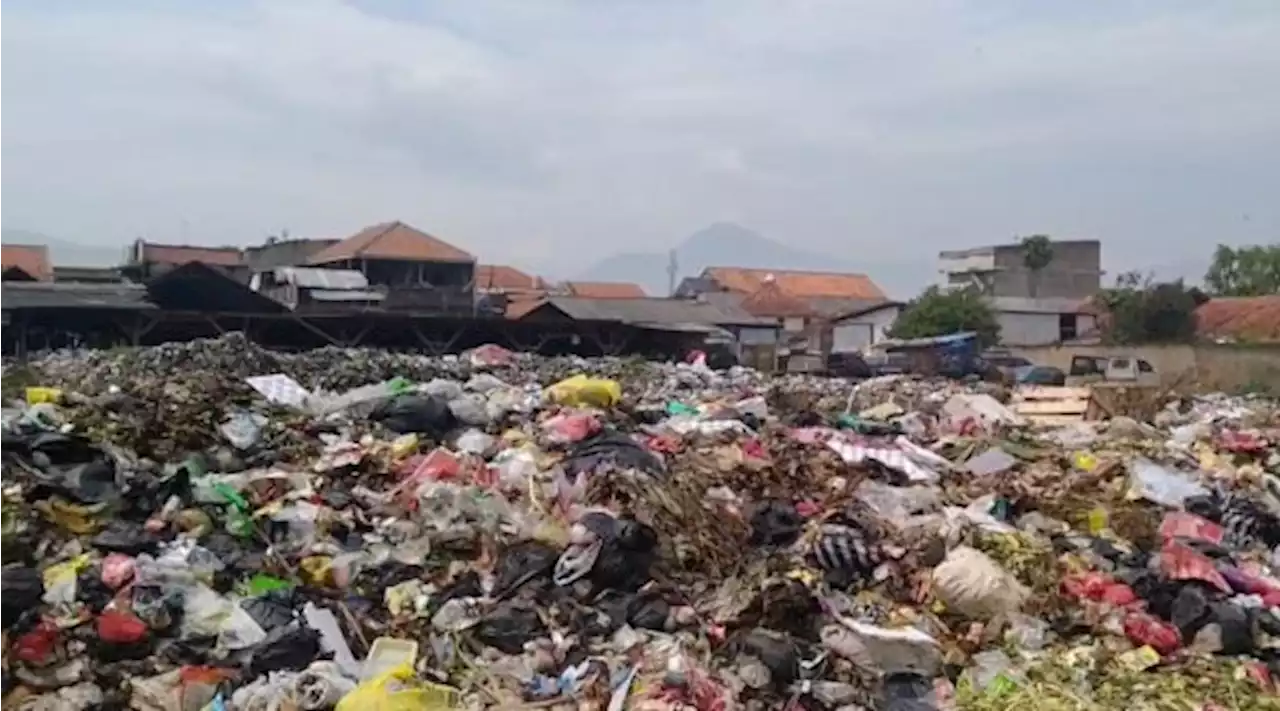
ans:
(553, 133)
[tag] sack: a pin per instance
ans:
(976, 586)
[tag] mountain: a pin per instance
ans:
(723, 244)
(68, 254)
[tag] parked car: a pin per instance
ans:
(848, 365)
(1113, 370)
(880, 363)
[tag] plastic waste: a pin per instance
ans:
(1161, 485)
(386, 655)
(331, 638)
(399, 690)
(974, 585)
(581, 390)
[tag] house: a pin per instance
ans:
(863, 327)
(602, 290)
(826, 293)
(419, 271)
(277, 252)
(147, 260)
(1044, 321)
(502, 279)
(311, 287)
(1240, 319)
(1075, 272)
(26, 262)
(756, 338)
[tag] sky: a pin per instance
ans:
(551, 133)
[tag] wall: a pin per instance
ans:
(1027, 329)
(1074, 273)
(859, 332)
(1202, 367)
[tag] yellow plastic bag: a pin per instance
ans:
(581, 390)
(399, 690)
(37, 395)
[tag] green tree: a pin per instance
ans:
(1247, 271)
(938, 313)
(1140, 310)
(1037, 253)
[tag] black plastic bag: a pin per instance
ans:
(425, 414)
(272, 610)
(775, 523)
(71, 465)
(509, 627)
(908, 692)
(627, 551)
(521, 563)
(125, 537)
(292, 648)
(610, 448)
(22, 589)
(779, 654)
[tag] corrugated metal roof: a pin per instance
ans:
(347, 295)
(30, 258)
(177, 254)
(605, 290)
(803, 284)
(316, 278)
(650, 311)
(391, 240)
(45, 295)
(1021, 305)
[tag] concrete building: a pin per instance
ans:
(1042, 322)
(862, 328)
(1074, 273)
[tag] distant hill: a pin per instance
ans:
(721, 244)
(68, 254)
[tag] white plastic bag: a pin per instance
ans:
(974, 585)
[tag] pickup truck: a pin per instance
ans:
(1120, 370)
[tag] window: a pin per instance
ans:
(1145, 367)
(1067, 327)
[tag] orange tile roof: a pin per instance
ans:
(605, 290)
(178, 254)
(502, 277)
(391, 240)
(1253, 318)
(520, 306)
(802, 284)
(30, 258)
(771, 300)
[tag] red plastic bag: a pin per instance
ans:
(120, 627)
(117, 569)
(1144, 629)
(1179, 561)
(1100, 588)
(1180, 524)
(37, 646)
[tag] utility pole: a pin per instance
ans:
(673, 268)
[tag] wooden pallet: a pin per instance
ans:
(1053, 406)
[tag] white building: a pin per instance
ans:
(859, 330)
(1040, 322)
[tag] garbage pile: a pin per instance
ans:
(214, 526)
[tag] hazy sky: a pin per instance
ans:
(549, 133)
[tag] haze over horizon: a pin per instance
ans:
(555, 134)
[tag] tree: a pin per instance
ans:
(1247, 271)
(1037, 253)
(938, 313)
(1140, 310)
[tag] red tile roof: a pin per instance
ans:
(802, 284)
(1251, 318)
(605, 290)
(30, 258)
(505, 278)
(391, 240)
(772, 301)
(177, 254)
